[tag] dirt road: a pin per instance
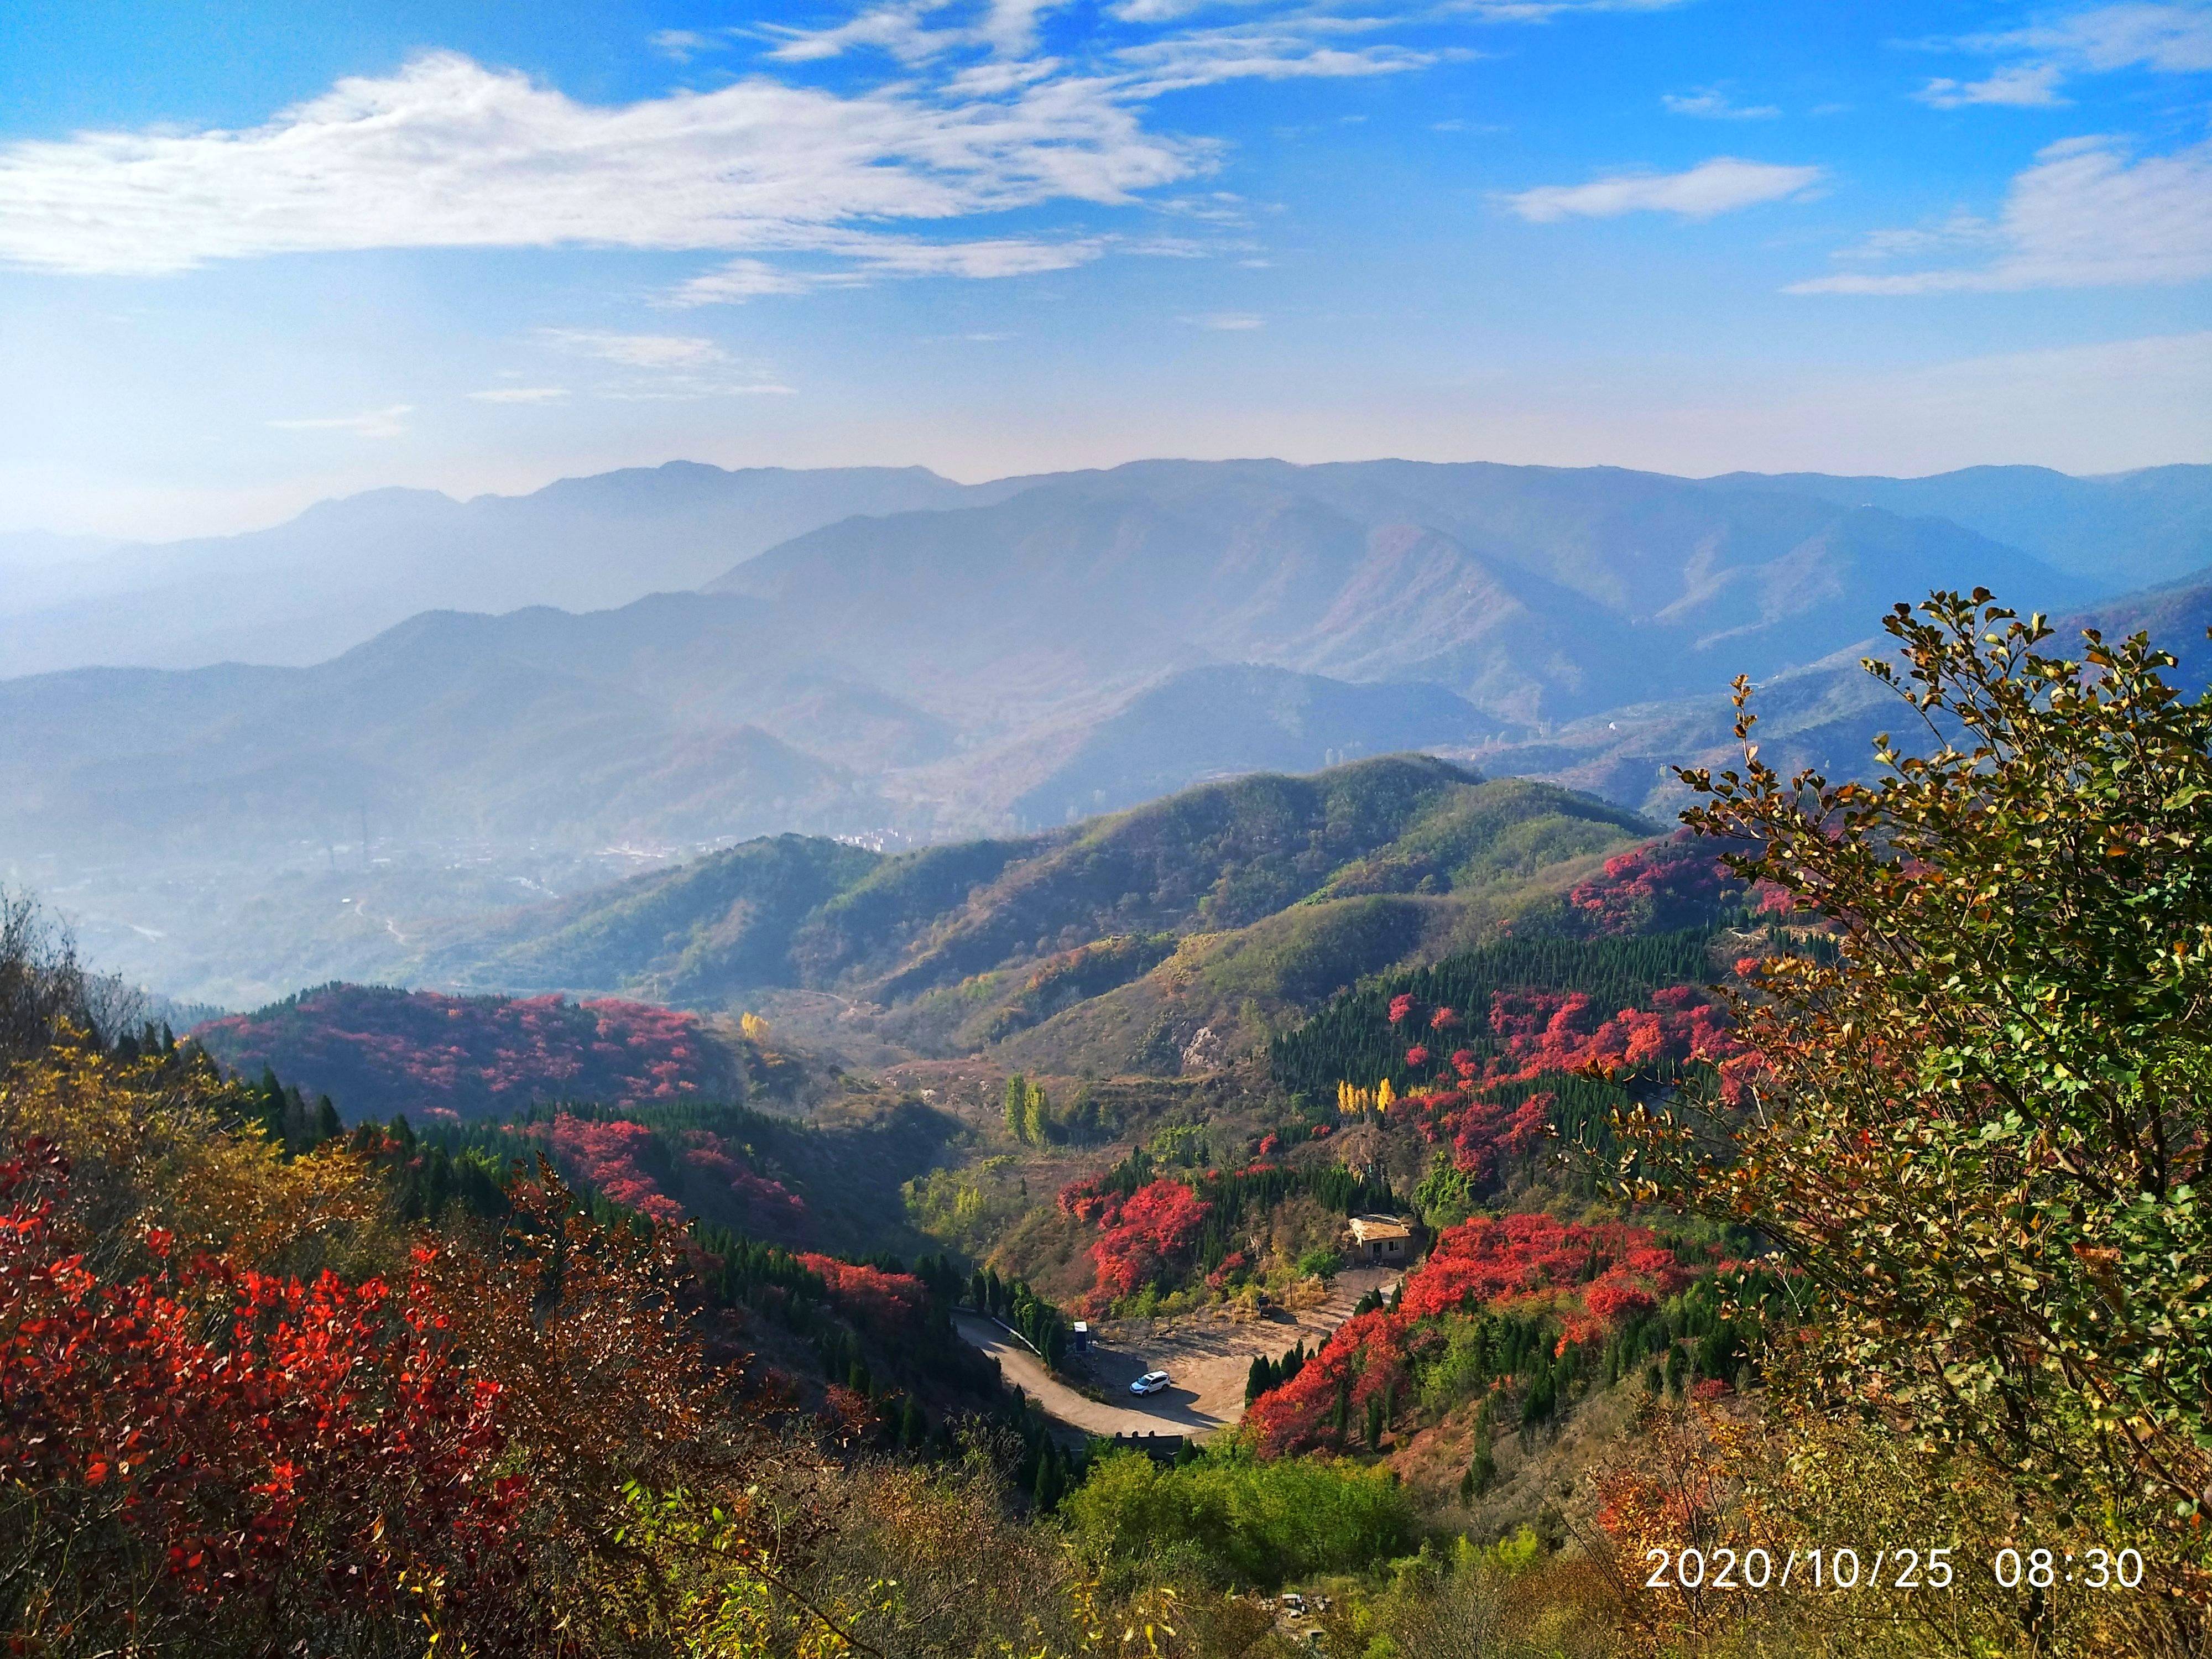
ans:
(1207, 1357)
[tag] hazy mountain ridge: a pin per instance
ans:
(1535, 592)
(2150, 526)
(1825, 714)
(326, 581)
(1072, 643)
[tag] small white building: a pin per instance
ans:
(1381, 1238)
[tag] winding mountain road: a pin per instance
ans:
(1206, 1358)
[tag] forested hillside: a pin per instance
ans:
(1111, 943)
(378, 1050)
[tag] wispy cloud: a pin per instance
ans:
(1715, 104)
(520, 394)
(869, 256)
(965, 110)
(2022, 86)
(2169, 40)
(1233, 322)
(1302, 49)
(1720, 186)
(2085, 215)
(448, 154)
(638, 351)
(663, 368)
(390, 422)
(682, 45)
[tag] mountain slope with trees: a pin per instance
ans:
(1261, 894)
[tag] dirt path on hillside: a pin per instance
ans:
(1206, 1356)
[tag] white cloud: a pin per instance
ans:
(899, 30)
(683, 351)
(1233, 322)
(2169, 40)
(903, 29)
(520, 394)
(1298, 49)
(665, 367)
(448, 154)
(740, 279)
(2173, 39)
(2022, 86)
(1720, 186)
(682, 45)
(1960, 229)
(2084, 215)
(369, 423)
(687, 388)
(1543, 11)
(879, 255)
(1714, 104)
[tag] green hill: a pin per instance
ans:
(1110, 945)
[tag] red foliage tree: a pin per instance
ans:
(1144, 1234)
(227, 1431)
(882, 1299)
(1661, 885)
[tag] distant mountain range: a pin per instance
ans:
(1825, 714)
(345, 570)
(886, 656)
(307, 590)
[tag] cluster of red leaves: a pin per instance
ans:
(1507, 1263)
(1366, 1356)
(1233, 1267)
(885, 1300)
(628, 1164)
(377, 1050)
(243, 1425)
(1661, 884)
(1560, 1032)
(1480, 1130)
(1141, 1235)
(1591, 1278)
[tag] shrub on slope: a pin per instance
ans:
(377, 1050)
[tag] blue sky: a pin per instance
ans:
(252, 255)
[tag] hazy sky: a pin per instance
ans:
(254, 254)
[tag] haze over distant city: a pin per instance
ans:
(255, 258)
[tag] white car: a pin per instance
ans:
(1150, 1382)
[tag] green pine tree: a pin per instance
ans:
(1018, 1103)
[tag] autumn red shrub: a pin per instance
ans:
(1365, 1357)
(1480, 1131)
(1661, 884)
(668, 1179)
(1590, 1278)
(880, 1298)
(1144, 1234)
(377, 1050)
(224, 1432)
(1233, 1267)
(1561, 1031)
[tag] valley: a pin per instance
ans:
(903, 1031)
(932, 663)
